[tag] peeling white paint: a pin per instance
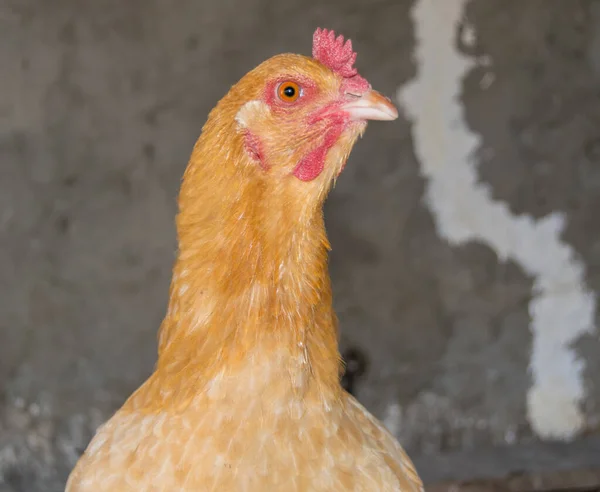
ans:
(563, 308)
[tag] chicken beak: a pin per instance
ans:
(370, 106)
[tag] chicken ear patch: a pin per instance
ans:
(254, 149)
(248, 113)
(251, 111)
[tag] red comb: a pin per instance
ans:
(334, 53)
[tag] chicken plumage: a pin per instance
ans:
(246, 394)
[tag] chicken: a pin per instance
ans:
(246, 393)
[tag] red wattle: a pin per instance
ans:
(313, 163)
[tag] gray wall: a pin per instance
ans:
(466, 261)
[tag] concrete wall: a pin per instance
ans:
(466, 260)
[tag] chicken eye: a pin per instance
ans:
(288, 91)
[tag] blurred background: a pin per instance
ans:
(466, 255)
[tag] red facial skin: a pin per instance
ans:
(312, 164)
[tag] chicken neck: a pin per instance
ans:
(250, 284)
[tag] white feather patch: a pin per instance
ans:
(250, 111)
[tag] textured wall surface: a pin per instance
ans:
(466, 261)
